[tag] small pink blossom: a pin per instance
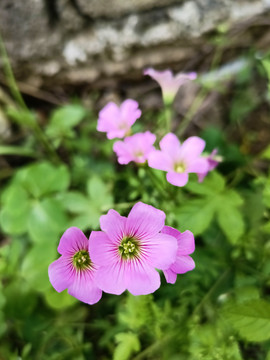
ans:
(179, 160)
(116, 120)
(129, 250)
(213, 161)
(74, 270)
(185, 247)
(169, 84)
(135, 148)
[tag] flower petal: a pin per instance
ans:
(170, 231)
(159, 160)
(177, 179)
(84, 288)
(108, 118)
(122, 151)
(113, 225)
(170, 145)
(118, 133)
(192, 148)
(72, 241)
(186, 243)
(160, 251)
(182, 78)
(144, 221)
(183, 264)
(130, 111)
(170, 276)
(141, 278)
(164, 78)
(61, 273)
(202, 176)
(112, 278)
(199, 165)
(102, 249)
(185, 240)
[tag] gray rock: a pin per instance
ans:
(91, 40)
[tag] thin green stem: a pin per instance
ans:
(153, 348)
(156, 182)
(199, 99)
(168, 117)
(17, 150)
(45, 142)
(39, 134)
(201, 95)
(9, 75)
(211, 290)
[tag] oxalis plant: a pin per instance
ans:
(127, 252)
(124, 213)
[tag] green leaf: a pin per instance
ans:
(3, 325)
(246, 292)
(128, 343)
(266, 193)
(98, 192)
(251, 319)
(266, 228)
(15, 199)
(230, 219)
(196, 215)
(86, 210)
(16, 207)
(2, 297)
(47, 220)
(266, 153)
(266, 65)
(36, 262)
(75, 202)
(213, 183)
(13, 223)
(44, 178)
(88, 221)
(231, 222)
(64, 119)
(59, 301)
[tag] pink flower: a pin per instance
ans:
(135, 148)
(183, 262)
(169, 84)
(128, 250)
(213, 161)
(74, 270)
(116, 120)
(179, 160)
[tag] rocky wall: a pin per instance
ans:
(72, 41)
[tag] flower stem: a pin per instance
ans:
(156, 182)
(168, 117)
(199, 99)
(9, 75)
(39, 134)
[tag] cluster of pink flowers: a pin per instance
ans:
(178, 160)
(124, 255)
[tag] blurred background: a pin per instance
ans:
(61, 61)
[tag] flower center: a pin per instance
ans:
(81, 260)
(129, 248)
(180, 167)
(139, 154)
